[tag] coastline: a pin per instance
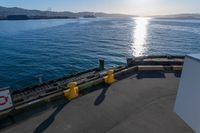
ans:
(24, 17)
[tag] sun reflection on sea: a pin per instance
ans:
(140, 34)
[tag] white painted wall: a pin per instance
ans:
(187, 104)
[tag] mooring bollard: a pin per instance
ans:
(72, 92)
(109, 78)
(101, 64)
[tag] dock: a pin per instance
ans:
(140, 100)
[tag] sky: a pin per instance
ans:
(133, 7)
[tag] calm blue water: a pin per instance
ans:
(60, 47)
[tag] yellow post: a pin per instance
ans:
(109, 78)
(72, 92)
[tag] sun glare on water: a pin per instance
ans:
(140, 35)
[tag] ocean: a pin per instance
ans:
(59, 47)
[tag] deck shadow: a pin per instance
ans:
(152, 74)
(102, 96)
(127, 75)
(45, 124)
(177, 74)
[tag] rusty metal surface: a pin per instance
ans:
(156, 60)
(48, 88)
(92, 77)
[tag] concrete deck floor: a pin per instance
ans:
(140, 103)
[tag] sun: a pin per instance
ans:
(143, 7)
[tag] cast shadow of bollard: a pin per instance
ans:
(101, 97)
(45, 124)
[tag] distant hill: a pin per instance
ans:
(179, 16)
(15, 13)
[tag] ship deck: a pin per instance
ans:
(139, 103)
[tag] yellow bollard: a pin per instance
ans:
(109, 78)
(72, 92)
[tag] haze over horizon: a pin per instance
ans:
(140, 7)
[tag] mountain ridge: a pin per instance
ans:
(9, 12)
(38, 14)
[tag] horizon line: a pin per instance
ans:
(181, 13)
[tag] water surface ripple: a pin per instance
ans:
(60, 47)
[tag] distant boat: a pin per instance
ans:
(89, 16)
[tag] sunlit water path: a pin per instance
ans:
(140, 36)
